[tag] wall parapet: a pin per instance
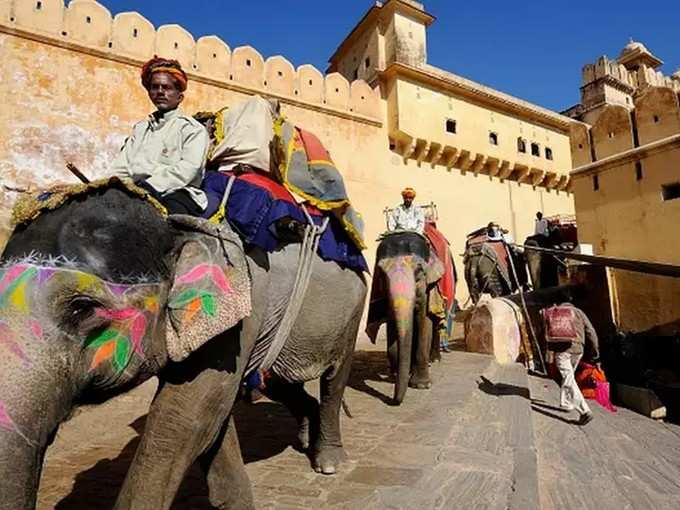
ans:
(86, 26)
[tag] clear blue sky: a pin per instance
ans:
(533, 50)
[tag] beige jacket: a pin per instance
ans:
(169, 152)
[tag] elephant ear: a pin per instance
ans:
(211, 290)
(434, 269)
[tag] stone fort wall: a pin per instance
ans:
(70, 91)
(625, 165)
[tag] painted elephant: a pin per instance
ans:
(403, 289)
(102, 292)
(488, 269)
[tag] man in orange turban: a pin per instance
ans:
(407, 216)
(166, 152)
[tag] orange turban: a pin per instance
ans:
(164, 65)
(408, 193)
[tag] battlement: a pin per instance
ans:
(87, 26)
(631, 80)
(654, 116)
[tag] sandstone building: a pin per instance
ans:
(626, 180)
(70, 92)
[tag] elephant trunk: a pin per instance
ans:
(402, 292)
(20, 468)
(35, 398)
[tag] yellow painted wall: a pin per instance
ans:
(627, 217)
(423, 111)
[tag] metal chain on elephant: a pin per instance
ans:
(308, 248)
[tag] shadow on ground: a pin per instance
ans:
(370, 366)
(265, 430)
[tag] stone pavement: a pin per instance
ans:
(618, 461)
(472, 442)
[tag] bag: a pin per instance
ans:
(560, 324)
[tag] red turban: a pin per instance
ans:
(164, 65)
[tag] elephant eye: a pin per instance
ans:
(79, 309)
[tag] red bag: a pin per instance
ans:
(560, 324)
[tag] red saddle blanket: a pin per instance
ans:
(440, 245)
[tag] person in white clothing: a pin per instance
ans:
(541, 226)
(407, 216)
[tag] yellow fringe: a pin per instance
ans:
(28, 208)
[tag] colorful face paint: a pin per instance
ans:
(130, 312)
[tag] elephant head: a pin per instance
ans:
(404, 270)
(92, 297)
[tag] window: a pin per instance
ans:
(670, 191)
(521, 145)
(451, 126)
(656, 119)
(535, 149)
(548, 153)
(596, 182)
(493, 138)
(367, 62)
(638, 170)
(38, 5)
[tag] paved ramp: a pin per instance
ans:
(472, 442)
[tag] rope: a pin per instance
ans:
(221, 213)
(525, 309)
(308, 248)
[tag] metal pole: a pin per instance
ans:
(638, 266)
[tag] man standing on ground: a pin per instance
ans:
(407, 216)
(569, 333)
(165, 154)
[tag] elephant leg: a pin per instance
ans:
(328, 451)
(186, 417)
(228, 481)
(421, 379)
(303, 407)
(392, 347)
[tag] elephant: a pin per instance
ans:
(402, 295)
(488, 269)
(100, 292)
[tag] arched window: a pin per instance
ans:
(548, 153)
(521, 145)
(535, 149)
(493, 138)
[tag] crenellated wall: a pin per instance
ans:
(70, 92)
(654, 115)
(132, 38)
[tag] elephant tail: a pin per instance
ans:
(345, 407)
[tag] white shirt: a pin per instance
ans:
(406, 218)
(167, 151)
(541, 227)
